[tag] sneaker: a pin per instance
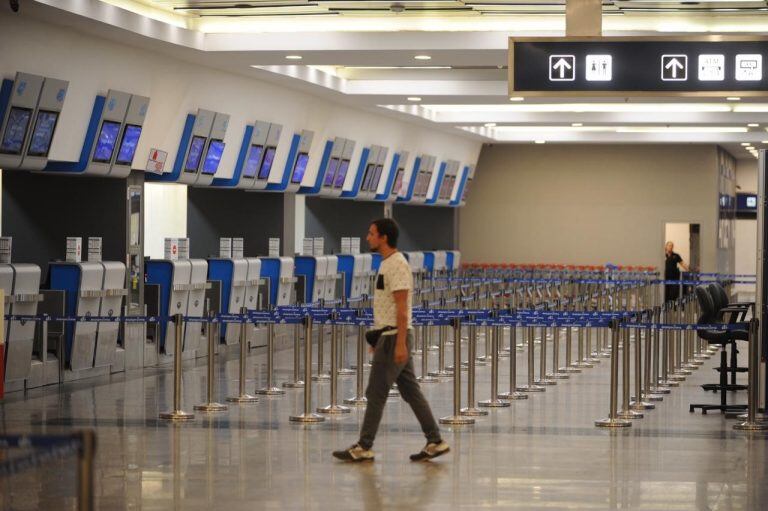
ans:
(354, 453)
(430, 451)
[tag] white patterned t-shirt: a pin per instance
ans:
(394, 275)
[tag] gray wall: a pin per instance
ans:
(425, 227)
(214, 214)
(40, 211)
(588, 204)
(333, 219)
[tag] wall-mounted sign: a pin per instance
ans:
(605, 66)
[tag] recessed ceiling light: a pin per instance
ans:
(764, 142)
(293, 57)
(517, 98)
(744, 144)
(733, 98)
(541, 141)
(577, 124)
(490, 124)
(753, 125)
(423, 57)
(414, 98)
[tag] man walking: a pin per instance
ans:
(392, 309)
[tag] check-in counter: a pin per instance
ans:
(21, 289)
(279, 274)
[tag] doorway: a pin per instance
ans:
(686, 237)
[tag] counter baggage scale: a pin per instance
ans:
(240, 279)
(91, 289)
(182, 291)
(21, 289)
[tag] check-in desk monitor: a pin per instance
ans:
(253, 160)
(21, 286)
(299, 168)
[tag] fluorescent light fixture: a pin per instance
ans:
(590, 108)
(733, 98)
(385, 68)
(744, 144)
(414, 98)
(753, 125)
(681, 129)
(620, 129)
(541, 142)
(423, 57)
(517, 98)
(577, 124)
(764, 142)
(293, 57)
(490, 124)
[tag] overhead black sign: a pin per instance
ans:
(708, 65)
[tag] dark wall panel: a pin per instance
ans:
(424, 227)
(334, 219)
(40, 211)
(214, 214)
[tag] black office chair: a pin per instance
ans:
(710, 314)
(728, 312)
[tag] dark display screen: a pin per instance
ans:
(466, 190)
(42, 133)
(367, 177)
(252, 163)
(213, 157)
(398, 181)
(15, 130)
(299, 167)
(341, 175)
(266, 164)
(105, 144)
(128, 144)
(746, 202)
(195, 154)
(330, 172)
(376, 177)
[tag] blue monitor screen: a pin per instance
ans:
(299, 167)
(266, 164)
(15, 130)
(128, 145)
(42, 133)
(376, 177)
(213, 157)
(369, 169)
(195, 154)
(398, 181)
(330, 172)
(105, 144)
(341, 175)
(252, 163)
(746, 202)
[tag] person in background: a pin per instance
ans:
(672, 264)
(392, 317)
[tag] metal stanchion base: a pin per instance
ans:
(559, 376)
(629, 414)
(604, 354)
(701, 358)
(545, 381)
(648, 396)
(356, 401)
(612, 423)
(583, 365)
(751, 426)
(592, 360)
(245, 398)
(270, 391)
(177, 415)
(293, 384)
(307, 418)
(433, 348)
(333, 410)
(211, 407)
(693, 365)
(445, 373)
(641, 405)
(504, 353)
(513, 396)
(680, 372)
(393, 393)
(427, 379)
(346, 371)
(493, 403)
(668, 383)
(472, 412)
(457, 420)
(321, 377)
(530, 388)
(569, 370)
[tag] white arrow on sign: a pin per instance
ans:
(674, 65)
(561, 65)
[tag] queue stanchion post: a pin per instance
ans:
(243, 397)
(530, 386)
(86, 455)
(425, 332)
(656, 387)
(334, 408)
(665, 381)
(307, 417)
(557, 371)
(513, 394)
(569, 368)
(494, 401)
(177, 414)
(752, 422)
(544, 378)
(442, 370)
(581, 362)
(270, 389)
(613, 420)
(457, 419)
(321, 375)
(296, 382)
(639, 403)
(210, 405)
(626, 411)
(344, 341)
(359, 398)
(471, 410)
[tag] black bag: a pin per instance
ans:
(372, 336)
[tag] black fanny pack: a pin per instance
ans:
(372, 336)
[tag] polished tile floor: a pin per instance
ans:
(543, 453)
